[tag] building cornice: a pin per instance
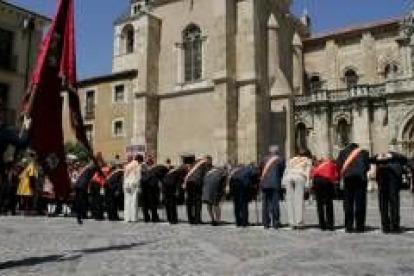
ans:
(108, 78)
(25, 11)
(390, 24)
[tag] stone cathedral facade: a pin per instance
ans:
(230, 78)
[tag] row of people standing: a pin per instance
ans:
(201, 182)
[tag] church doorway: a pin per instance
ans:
(301, 139)
(343, 130)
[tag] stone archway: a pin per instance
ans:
(406, 140)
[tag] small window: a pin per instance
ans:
(6, 49)
(3, 96)
(390, 71)
(351, 78)
(90, 105)
(137, 8)
(89, 132)
(119, 93)
(118, 128)
(315, 84)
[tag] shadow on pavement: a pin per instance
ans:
(32, 261)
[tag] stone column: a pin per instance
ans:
(273, 49)
(223, 41)
(361, 127)
(247, 89)
(370, 59)
(322, 135)
(333, 74)
(297, 65)
(247, 140)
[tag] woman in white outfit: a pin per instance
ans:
(132, 178)
(296, 181)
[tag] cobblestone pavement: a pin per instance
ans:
(58, 246)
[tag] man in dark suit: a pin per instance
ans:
(353, 164)
(270, 185)
(171, 191)
(81, 191)
(242, 179)
(389, 178)
(193, 184)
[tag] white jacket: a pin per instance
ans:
(132, 176)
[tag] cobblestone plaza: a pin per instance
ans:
(58, 246)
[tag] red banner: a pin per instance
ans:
(55, 71)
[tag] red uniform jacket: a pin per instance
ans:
(327, 170)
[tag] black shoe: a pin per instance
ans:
(79, 219)
(214, 223)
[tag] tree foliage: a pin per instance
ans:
(77, 150)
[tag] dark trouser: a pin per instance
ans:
(194, 203)
(389, 204)
(9, 201)
(241, 204)
(170, 202)
(355, 203)
(111, 204)
(97, 202)
(270, 208)
(81, 203)
(150, 201)
(324, 192)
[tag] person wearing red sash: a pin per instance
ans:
(193, 185)
(325, 175)
(270, 185)
(354, 163)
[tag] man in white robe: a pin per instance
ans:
(132, 178)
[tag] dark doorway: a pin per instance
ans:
(278, 130)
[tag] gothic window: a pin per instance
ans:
(343, 131)
(315, 83)
(127, 39)
(192, 45)
(390, 71)
(407, 142)
(6, 49)
(301, 137)
(351, 78)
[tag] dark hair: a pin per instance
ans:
(139, 158)
(305, 153)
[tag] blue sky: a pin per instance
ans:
(94, 22)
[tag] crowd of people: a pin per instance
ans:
(101, 190)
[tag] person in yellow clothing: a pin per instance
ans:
(26, 185)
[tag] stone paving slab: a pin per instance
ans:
(58, 246)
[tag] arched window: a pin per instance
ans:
(351, 78)
(343, 132)
(390, 71)
(301, 137)
(315, 83)
(192, 44)
(127, 39)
